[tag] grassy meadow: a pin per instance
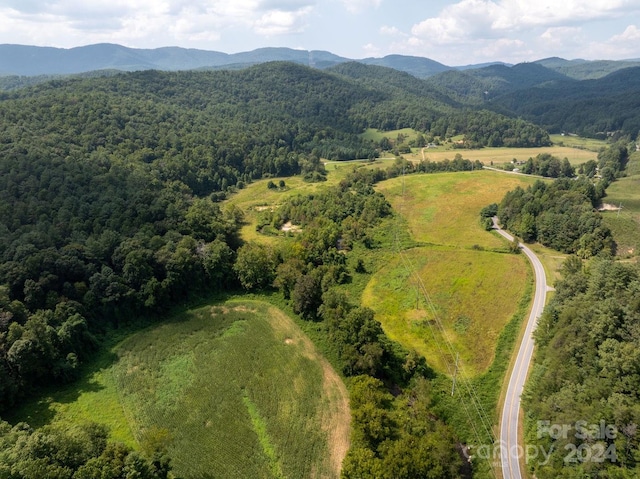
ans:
(444, 208)
(474, 287)
(472, 293)
(625, 224)
(499, 156)
(590, 144)
(234, 390)
(577, 150)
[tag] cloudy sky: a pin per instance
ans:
(451, 32)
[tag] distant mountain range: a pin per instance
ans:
(23, 60)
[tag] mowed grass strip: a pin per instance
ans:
(240, 392)
(473, 294)
(444, 208)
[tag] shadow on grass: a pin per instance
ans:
(41, 405)
(39, 409)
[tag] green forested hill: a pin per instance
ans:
(589, 108)
(549, 98)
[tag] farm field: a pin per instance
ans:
(500, 156)
(577, 150)
(625, 225)
(474, 290)
(235, 388)
(578, 142)
(444, 208)
(473, 294)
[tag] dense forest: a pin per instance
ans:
(582, 400)
(598, 108)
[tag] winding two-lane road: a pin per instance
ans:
(510, 451)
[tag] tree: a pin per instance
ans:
(217, 260)
(255, 266)
(307, 294)
(287, 275)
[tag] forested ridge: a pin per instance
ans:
(596, 108)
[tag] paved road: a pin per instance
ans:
(511, 453)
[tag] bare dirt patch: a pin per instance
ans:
(215, 310)
(244, 309)
(608, 207)
(288, 226)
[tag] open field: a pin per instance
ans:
(444, 208)
(473, 294)
(377, 135)
(625, 224)
(256, 197)
(236, 389)
(499, 156)
(578, 142)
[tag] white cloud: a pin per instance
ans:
(472, 19)
(625, 45)
(391, 31)
(566, 38)
(358, 6)
(147, 21)
(279, 22)
(630, 34)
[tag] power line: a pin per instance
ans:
(457, 371)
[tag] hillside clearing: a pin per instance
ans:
(472, 290)
(236, 389)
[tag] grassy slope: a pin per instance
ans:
(256, 197)
(238, 388)
(473, 294)
(625, 225)
(474, 291)
(444, 208)
(505, 155)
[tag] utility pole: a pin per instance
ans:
(455, 373)
(619, 208)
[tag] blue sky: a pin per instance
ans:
(451, 32)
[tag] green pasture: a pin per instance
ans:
(625, 223)
(444, 208)
(472, 295)
(235, 390)
(474, 287)
(500, 156)
(377, 135)
(578, 142)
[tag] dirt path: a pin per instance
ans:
(336, 416)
